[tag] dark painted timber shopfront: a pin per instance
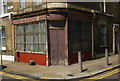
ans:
(54, 36)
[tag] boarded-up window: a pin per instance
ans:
(79, 36)
(74, 36)
(31, 37)
(85, 36)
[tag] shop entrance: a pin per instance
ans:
(57, 46)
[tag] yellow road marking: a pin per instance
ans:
(45, 77)
(107, 74)
(17, 77)
(109, 67)
(12, 76)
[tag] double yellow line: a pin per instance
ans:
(20, 77)
(88, 79)
(12, 76)
(102, 76)
(17, 77)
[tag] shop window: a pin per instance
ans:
(102, 35)
(31, 37)
(74, 37)
(79, 36)
(85, 36)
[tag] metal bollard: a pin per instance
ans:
(106, 57)
(80, 61)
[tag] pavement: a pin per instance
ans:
(90, 68)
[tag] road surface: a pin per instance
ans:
(112, 75)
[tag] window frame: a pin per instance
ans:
(19, 4)
(32, 33)
(4, 4)
(36, 2)
(103, 41)
(3, 37)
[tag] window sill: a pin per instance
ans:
(3, 48)
(103, 46)
(31, 52)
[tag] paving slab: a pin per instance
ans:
(90, 68)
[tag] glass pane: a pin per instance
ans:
(36, 40)
(42, 27)
(40, 48)
(4, 1)
(3, 32)
(17, 46)
(36, 27)
(102, 30)
(3, 42)
(22, 3)
(22, 38)
(17, 29)
(31, 47)
(36, 47)
(22, 29)
(42, 38)
(5, 8)
(22, 46)
(37, 2)
(30, 38)
(27, 28)
(17, 39)
(31, 28)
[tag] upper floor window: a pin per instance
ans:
(4, 6)
(36, 2)
(21, 4)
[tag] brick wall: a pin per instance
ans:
(9, 42)
(113, 8)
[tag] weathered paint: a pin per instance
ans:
(73, 57)
(56, 17)
(47, 52)
(39, 18)
(57, 46)
(66, 43)
(79, 17)
(57, 52)
(39, 59)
